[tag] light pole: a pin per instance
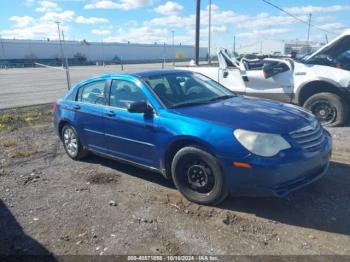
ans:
(62, 55)
(164, 54)
(198, 20)
(309, 29)
(173, 34)
(209, 34)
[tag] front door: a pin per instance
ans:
(129, 135)
(232, 79)
(278, 87)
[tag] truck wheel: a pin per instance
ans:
(198, 176)
(329, 108)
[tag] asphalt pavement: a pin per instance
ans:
(32, 86)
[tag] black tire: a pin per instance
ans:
(329, 108)
(80, 151)
(210, 188)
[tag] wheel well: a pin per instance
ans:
(315, 87)
(174, 148)
(60, 126)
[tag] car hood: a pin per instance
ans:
(334, 47)
(253, 114)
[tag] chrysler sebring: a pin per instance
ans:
(208, 140)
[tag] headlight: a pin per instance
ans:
(262, 144)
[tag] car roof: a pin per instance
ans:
(145, 73)
(137, 74)
(149, 73)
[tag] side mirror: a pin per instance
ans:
(272, 69)
(141, 107)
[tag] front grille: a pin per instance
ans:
(310, 138)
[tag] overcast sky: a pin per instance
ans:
(149, 21)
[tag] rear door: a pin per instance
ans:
(90, 114)
(275, 81)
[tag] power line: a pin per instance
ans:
(297, 18)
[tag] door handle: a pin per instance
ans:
(77, 107)
(110, 113)
(225, 74)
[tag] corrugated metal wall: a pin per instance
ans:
(23, 49)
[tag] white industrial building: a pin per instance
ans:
(282, 47)
(92, 52)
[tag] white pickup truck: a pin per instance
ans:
(319, 82)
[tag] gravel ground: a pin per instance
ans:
(52, 204)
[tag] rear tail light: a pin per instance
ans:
(265, 73)
(54, 105)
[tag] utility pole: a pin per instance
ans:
(62, 55)
(209, 34)
(198, 19)
(309, 29)
(234, 45)
(173, 35)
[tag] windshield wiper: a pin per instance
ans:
(193, 103)
(221, 98)
(189, 104)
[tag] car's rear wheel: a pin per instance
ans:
(71, 143)
(198, 176)
(329, 108)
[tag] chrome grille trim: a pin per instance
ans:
(309, 138)
(316, 143)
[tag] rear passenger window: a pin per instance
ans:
(93, 93)
(123, 93)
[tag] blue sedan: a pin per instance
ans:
(208, 140)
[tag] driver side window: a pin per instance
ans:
(123, 93)
(93, 93)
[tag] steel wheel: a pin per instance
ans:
(198, 175)
(331, 109)
(324, 111)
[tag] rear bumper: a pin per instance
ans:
(278, 177)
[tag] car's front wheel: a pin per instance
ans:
(198, 176)
(71, 143)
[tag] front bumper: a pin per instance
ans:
(278, 176)
(345, 94)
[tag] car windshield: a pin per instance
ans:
(181, 89)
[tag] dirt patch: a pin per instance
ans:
(103, 178)
(28, 153)
(8, 143)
